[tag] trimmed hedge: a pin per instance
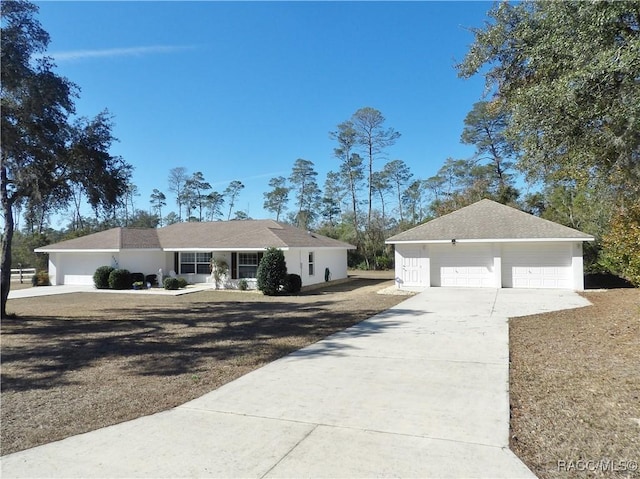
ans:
(272, 271)
(171, 283)
(292, 284)
(101, 277)
(182, 283)
(120, 279)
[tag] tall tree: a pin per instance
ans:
(303, 181)
(351, 164)
(232, 192)
(331, 198)
(567, 74)
(128, 205)
(276, 200)
(177, 178)
(158, 200)
(43, 154)
(398, 175)
(412, 197)
(485, 128)
(214, 202)
(197, 187)
(458, 183)
(373, 138)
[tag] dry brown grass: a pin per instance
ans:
(77, 362)
(575, 388)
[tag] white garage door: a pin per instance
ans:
(462, 265)
(537, 266)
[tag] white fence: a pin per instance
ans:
(22, 274)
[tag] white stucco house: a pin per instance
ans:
(186, 250)
(488, 244)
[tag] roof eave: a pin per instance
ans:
(76, 250)
(490, 240)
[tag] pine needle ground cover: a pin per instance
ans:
(575, 388)
(77, 362)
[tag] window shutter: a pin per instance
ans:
(234, 265)
(176, 263)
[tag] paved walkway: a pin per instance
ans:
(34, 292)
(420, 390)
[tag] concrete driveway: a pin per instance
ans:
(420, 390)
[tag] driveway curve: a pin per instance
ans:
(420, 390)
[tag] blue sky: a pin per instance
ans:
(240, 90)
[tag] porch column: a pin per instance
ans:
(497, 264)
(577, 266)
(426, 266)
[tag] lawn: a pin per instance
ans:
(77, 362)
(575, 388)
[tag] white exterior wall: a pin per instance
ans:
(528, 264)
(577, 266)
(297, 260)
(145, 262)
(78, 268)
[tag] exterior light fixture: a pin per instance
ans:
(453, 241)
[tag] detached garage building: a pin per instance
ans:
(489, 245)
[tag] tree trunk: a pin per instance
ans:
(7, 237)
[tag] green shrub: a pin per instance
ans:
(182, 283)
(120, 279)
(101, 277)
(272, 271)
(292, 284)
(41, 278)
(383, 262)
(171, 283)
(219, 270)
(243, 285)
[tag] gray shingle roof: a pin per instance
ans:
(112, 240)
(249, 234)
(487, 219)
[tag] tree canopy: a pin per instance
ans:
(46, 154)
(568, 75)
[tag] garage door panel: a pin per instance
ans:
(537, 266)
(462, 266)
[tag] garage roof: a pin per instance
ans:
(246, 234)
(488, 220)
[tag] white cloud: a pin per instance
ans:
(75, 55)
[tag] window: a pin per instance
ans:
(247, 265)
(199, 263)
(311, 264)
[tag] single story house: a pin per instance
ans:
(488, 244)
(186, 250)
